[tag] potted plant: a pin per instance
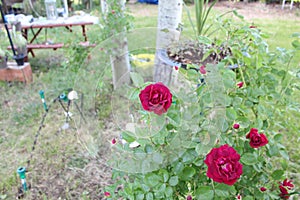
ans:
(3, 59)
(20, 45)
(202, 50)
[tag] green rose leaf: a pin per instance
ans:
(165, 174)
(223, 190)
(162, 188)
(134, 94)
(178, 168)
(278, 137)
(152, 179)
(145, 188)
(284, 154)
(139, 196)
(273, 150)
(204, 193)
(187, 173)
(136, 79)
(169, 191)
(277, 174)
(231, 114)
(160, 192)
(148, 148)
(173, 180)
(127, 136)
(249, 159)
(149, 196)
(296, 44)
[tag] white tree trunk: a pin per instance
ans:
(120, 61)
(104, 7)
(119, 57)
(169, 19)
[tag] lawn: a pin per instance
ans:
(71, 163)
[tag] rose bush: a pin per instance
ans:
(223, 129)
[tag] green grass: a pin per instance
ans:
(62, 160)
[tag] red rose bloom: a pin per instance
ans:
(288, 184)
(156, 97)
(284, 188)
(256, 139)
(223, 165)
(284, 194)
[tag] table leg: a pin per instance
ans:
(31, 52)
(35, 35)
(83, 33)
(25, 33)
(69, 28)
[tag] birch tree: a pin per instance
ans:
(117, 34)
(169, 19)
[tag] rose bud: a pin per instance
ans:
(256, 139)
(156, 98)
(114, 141)
(284, 188)
(223, 165)
(176, 67)
(236, 126)
(113, 12)
(189, 197)
(240, 84)
(202, 69)
(252, 26)
(263, 189)
(107, 194)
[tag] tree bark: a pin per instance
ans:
(120, 61)
(169, 19)
(119, 57)
(103, 4)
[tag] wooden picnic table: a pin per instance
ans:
(37, 26)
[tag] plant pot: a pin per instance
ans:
(3, 62)
(19, 59)
(191, 52)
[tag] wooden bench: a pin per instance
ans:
(45, 46)
(30, 47)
